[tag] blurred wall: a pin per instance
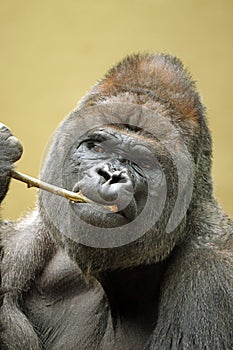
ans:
(52, 52)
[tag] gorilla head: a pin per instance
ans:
(137, 141)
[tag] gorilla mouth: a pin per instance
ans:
(129, 212)
(113, 208)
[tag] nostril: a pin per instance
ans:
(104, 174)
(113, 178)
(117, 178)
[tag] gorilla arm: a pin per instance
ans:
(13, 282)
(199, 277)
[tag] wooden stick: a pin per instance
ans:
(73, 196)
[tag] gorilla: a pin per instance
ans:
(148, 265)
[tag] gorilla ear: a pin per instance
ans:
(160, 78)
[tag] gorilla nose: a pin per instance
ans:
(117, 176)
(114, 184)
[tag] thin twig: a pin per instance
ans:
(73, 196)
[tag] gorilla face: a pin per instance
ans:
(113, 167)
(125, 159)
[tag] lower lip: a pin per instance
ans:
(98, 208)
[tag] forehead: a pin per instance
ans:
(136, 121)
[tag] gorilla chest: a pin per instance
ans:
(69, 314)
(81, 322)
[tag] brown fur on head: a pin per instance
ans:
(157, 81)
(160, 82)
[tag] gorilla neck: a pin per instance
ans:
(133, 293)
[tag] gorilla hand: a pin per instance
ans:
(10, 151)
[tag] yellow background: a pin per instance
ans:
(52, 52)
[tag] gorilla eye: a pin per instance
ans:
(96, 147)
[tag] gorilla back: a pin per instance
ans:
(156, 272)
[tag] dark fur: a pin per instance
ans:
(161, 292)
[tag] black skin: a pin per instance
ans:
(160, 291)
